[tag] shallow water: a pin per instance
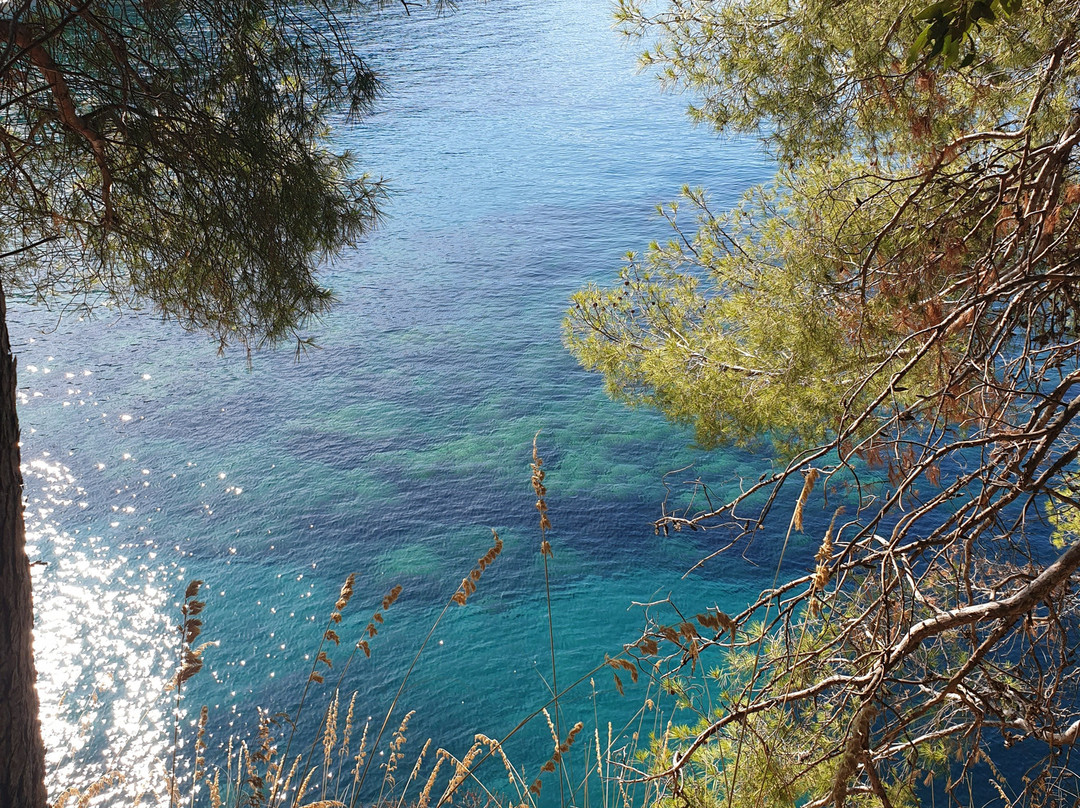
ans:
(526, 155)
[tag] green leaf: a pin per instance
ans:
(918, 45)
(935, 10)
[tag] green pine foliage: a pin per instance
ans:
(902, 297)
(790, 314)
(175, 154)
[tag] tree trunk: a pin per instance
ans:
(22, 753)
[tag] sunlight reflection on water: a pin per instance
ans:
(102, 626)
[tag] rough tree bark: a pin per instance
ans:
(22, 752)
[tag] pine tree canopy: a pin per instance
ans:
(174, 153)
(895, 317)
(911, 202)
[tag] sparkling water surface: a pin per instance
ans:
(525, 156)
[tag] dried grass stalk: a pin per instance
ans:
(809, 480)
(468, 585)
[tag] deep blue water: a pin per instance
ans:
(526, 155)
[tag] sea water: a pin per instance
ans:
(525, 155)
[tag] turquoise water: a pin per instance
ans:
(525, 155)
